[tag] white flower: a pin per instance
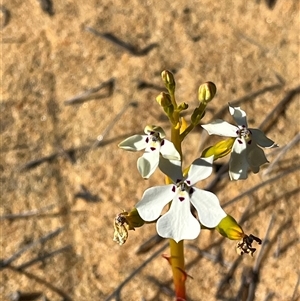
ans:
(245, 151)
(154, 144)
(179, 223)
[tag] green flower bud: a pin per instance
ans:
(219, 150)
(228, 227)
(206, 92)
(168, 79)
(183, 106)
(164, 99)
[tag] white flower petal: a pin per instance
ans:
(178, 223)
(238, 165)
(200, 169)
(208, 207)
(148, 163)
(256, 157)
(261, 139)
(171, 168)
(239, 116)
(134, 143)
(221, 128)
(169, 151)
(153, 201)
(239, 145)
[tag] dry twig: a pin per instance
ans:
(27, 214)
(281, 153)
(116, 293)
(126, 46)
(92, 93)
(6, 262)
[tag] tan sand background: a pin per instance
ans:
(249, 49)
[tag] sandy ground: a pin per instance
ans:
(51, 161)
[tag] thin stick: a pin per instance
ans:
(111, 124)
(49, 285)
(282, 152)
(27, 213)
(149, 244)
(48, 236)
(5, 16)
(126, 46)
(250, 276)
(117, 291)
(43, 257)
(269, 296)
(212, 257)
(19, 296)
(269, 181)
(264, 244)
(226, 279)
(281, 107)
(296, 288)
(88, 94)
(147, 85)
(34, 163)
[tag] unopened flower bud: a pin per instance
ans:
(183, 106)
(164, 99)
(206, 92)
(228, 227)
(220, 149)
(168, 80)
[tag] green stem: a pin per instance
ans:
(177, 263)
(172, 96)
(176, 249)
(186, 131)
(198, 114)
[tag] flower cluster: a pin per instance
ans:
(190, 207)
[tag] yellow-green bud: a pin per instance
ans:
(183, 106)
(206, 92)
(168, 79)
(164, 99)
(228, 227)
(220, 149)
